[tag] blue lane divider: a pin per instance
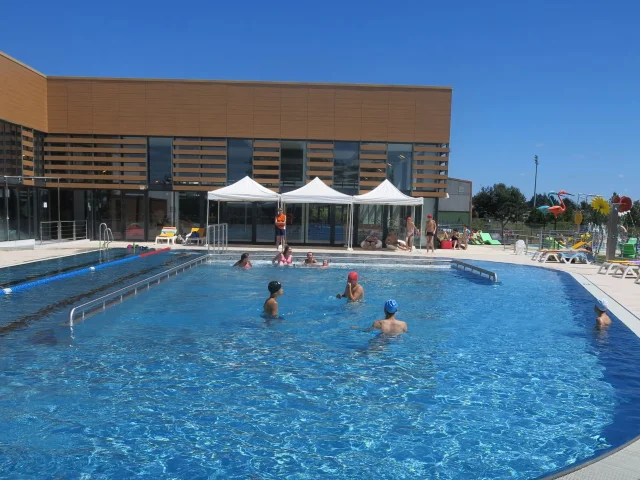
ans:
(26, 286)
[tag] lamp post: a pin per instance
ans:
(535, 181)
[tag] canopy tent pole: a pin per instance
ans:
(349, 231)
(421, 220)
(206, 233)
(219, 212)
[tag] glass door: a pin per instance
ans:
(134, 216)
(341, 221)
(239, 217)
(295, 229)
(265, 222)
(318, 224)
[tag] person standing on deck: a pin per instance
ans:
(431, 229)
(281, 229)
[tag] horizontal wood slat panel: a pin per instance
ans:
(417, 148)
(374, 174)
(100, 186)
(27, 133)
(365, 147)
(192, 188)
(369, 183)
(321, 146)
(265, 144)
(267, 180)
(319, 155)
(80, 176)
(95, 149)
(266, 163)
(328, 181)
(266, 172)
(27, 143)
(266, 154)
(27, 163)
(429, 194)
(84, 158)
(373, 156)
(434, 176)
(198, 170)
(89, 168)
(192, 161)
(430, 185)
(320, 164)
(431, 167)
(373, 165)
(320, 173)
(121, 141)
(220, 179)
(28, 183)
(219, 153)
(199, 143)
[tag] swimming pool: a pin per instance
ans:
(492, 381)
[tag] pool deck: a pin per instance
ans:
(623, 296)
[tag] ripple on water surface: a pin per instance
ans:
(492, 381)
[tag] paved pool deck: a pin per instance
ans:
(623, 296)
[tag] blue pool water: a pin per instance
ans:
(189, 381)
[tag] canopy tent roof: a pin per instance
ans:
(316, 191)
(245, 190)
(386, 194)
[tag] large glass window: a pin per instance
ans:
(239, 217)
(240, 160)
(134, 216)
(160, 159)
(265, 228)
(399, 165)
(292, 155)
(346, 169)
(161, 213)
(190, 210)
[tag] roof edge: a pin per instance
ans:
(256, 82)
(9, 57)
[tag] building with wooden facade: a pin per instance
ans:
(138, 154)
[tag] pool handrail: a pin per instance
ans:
(493, 276)
(114, 298)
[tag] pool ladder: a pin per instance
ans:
(105, 237)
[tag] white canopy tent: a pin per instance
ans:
(317, 191)
(387, 194)
(245, 190)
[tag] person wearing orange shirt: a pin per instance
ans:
(281, 225)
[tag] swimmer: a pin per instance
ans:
(325, 263)
(310, 260)
(390, 324)
(352, 292)
(285, 257)
(244, 261)
(271, 305)
(602, 319)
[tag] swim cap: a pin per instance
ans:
(391, 306)
(602, 305)
(429, 216)
(274, 286)
(353, 277)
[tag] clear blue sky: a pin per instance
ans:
(558, 79)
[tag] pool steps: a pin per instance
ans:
(74, 273)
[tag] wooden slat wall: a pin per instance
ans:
(249, 110)
(28, 157)
(430, 180)
(23, 94)
(86, 162)
(199, 164)
(266, 162)
(319, 161)
(373, 165)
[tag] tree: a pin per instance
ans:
(501, 203)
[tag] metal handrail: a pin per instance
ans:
(493, 276)
(113, 298)
(217, 238)
(70, 229)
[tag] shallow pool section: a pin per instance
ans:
(492, 381)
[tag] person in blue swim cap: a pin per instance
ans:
(390, 324)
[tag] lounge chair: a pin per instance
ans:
(576, 248)
(577, 257)
(544, 256)
(624, 269)
(607, 267)
(196, 235)
(168, 235)
(486, 238)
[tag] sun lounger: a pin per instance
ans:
(607, 267)
(545, 256)
(626, 269)
(486, 238)
(196, 235)
(576, 257)
(167, 235)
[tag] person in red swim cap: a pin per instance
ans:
(353, 291)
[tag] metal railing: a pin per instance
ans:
(105, 236)
(467, 267)
(217, 238)
(114, 298)
(63, 231)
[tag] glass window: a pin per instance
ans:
(190, 210)
(399, 165)
(240, 160)
(134, 216)
(161, 210)
(292, 155)
(160, 163)
(346, 169)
